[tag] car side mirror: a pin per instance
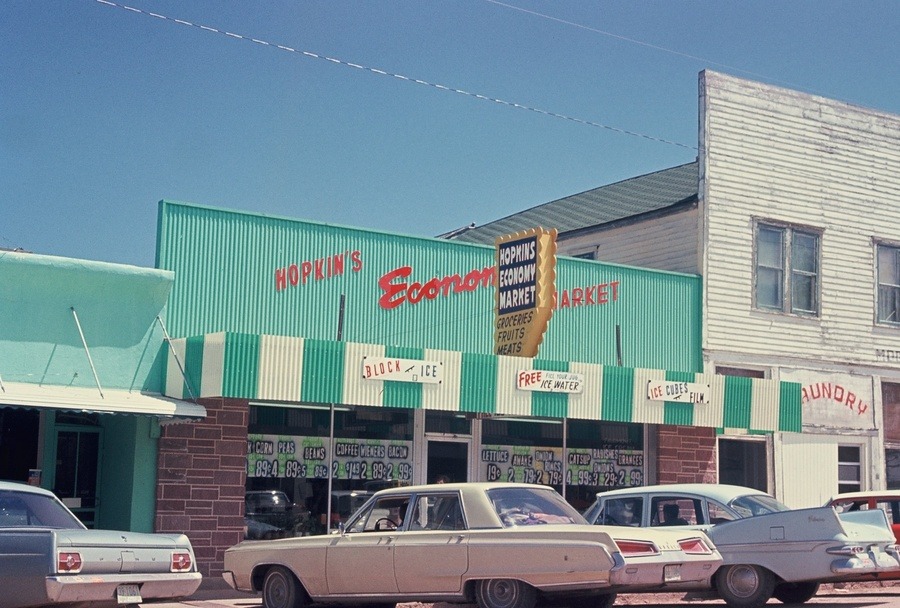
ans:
(340, 528)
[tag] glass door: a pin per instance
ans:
(77, 457)
(447, 459)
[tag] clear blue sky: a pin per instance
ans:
(104, 111)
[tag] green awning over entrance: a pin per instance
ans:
(298, 370)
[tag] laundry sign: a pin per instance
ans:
(681, 392)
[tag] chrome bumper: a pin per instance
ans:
(102, 587)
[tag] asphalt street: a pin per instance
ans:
(863, 595)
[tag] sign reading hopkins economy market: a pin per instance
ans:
(526, 277)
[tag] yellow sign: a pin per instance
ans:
(526, 282)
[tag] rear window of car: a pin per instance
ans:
(620, 512)
(530, 506)
(756, 504)
(18, 509)
(891, 507)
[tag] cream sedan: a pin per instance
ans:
(501, 545)
(768, 549)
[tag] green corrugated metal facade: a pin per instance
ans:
(226, 262)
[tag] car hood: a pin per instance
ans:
(804, 525)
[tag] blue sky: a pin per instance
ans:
(105, 111)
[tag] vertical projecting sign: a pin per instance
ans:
(526, 282)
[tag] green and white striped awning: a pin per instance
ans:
(298, 370)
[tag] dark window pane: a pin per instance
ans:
(770, 248)
(803, 293)
(888, 265)
(804, 252)
(889, 304)
(848, 472)
(848, 453)
(768, 289)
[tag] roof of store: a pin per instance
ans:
(628, 198)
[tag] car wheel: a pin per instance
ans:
(504, 593)
(795, 593)
(744, 585)
(281, 589)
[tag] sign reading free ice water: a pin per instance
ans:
(549, 382)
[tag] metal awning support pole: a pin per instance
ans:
(2, 388)
(175, 356)
(565, 462)
(340, 336)
(87, 352)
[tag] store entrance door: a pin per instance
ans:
(77, 459)
(448, 459)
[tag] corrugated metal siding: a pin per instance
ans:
(659, 304)
(798, 456)
(332, 373)
(777, 154)
(282, 358)
(225, 265)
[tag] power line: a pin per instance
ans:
(645, 44)
(380, 72)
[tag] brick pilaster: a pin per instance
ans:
(202, 468)
(687, 454)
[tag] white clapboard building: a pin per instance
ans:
(791, 213)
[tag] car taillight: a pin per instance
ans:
(695, 546)
(68, 562)
(845, 550)
(636, 548)
(181, 561)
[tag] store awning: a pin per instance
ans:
(112, 401)
(297, 370)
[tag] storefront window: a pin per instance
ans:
(600, 455)
(288, 460)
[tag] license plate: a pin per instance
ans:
(128, 594)
(672, 573)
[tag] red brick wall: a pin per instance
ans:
(686, 454)
(202, 468)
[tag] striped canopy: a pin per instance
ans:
(298, 370)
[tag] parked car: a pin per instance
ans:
(268, 514)
(347, 502)
(49, 557)
(768, 549)
(886, 500)
(498, 544)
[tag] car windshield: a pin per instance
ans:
(531, 506)
(756, 504)
(18, 509)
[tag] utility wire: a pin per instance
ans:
(380, 72)
(645, 44)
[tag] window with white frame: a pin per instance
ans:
(787, 269)
(888, 284)
(849, 469)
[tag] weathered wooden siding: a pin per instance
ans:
(775, 154)
(663, 243)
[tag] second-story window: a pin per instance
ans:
(889, 284)
(787, 269)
